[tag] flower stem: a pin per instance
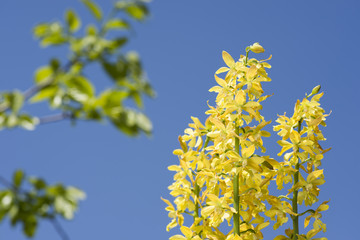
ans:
(236, 216)
(295, 196)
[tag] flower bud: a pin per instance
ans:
(257, 48)
(315, 90)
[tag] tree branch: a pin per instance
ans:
(55, 118)
(28, 93)
(59, 229)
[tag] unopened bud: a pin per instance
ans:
(257, 48)
(315, 90)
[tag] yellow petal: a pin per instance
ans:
(252, 72)
(178, 152)
(220, 81)
(240, 97)
(177, 237)
(221, 70)
(315, 174)
(206, 211)
(247, 152)
(228, 59)
(295, 137)
(186, 231)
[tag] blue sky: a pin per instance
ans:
(312, 42)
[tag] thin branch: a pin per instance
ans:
(28, 93)
(59, 229)
(34, 89)
(55, 118)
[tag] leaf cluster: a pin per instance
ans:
(27, 200)
(65, 84)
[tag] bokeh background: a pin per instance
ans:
(312, 42)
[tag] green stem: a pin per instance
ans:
(246, 58)
(197, 187)
(236, 216)
(295, 218)
(197, 191)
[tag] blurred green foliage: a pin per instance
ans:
(41, 201)
(64, 84)
(71, 94)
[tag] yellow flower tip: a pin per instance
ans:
(257, 48)
(178, 152)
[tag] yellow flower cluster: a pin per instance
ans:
(221, 150)
(302, 129)
(222, 176)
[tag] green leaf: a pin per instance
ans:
(64, 207)
(56, 190)
(38, 183)
(43, 74)
(11, 121)
(41, 30)
(117, 43)
(30, 225)
(45, 93)
(117, 71)
(18, 178)
(74, 194)
(94, 9)
(137, 11)
(53, 39)
(80, 88)
(111, 102)
(144, 123)
(6, 200)
(91, 30)
(27, 122)
(17, 101)
(72, 21)
(137, 98)
(117, 24)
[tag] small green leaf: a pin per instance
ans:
(91, 30)
(144, 123)
(11, 121)
(38, 183)
(17, 101)
(6, 200)
(44, 94)
(117, 43)
(94, 9)
(41, 30)
(43, 74)
(18, 178)
(117, 71)
(30, 225)
(27, 122)
(137, 98)
(56, 190)
(137, 11)
(80, 88)
(74, 194)
(72, 21)
(53, 39)
(117, 24)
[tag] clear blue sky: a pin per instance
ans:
(312, 42)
